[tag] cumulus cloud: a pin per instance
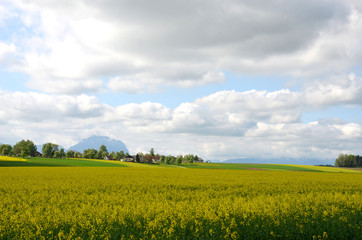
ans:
(131, 85)
(70, 49)
(6, 50)
(335, 90)
(226, 124)
(232, 113)
(183, 43)
(38, 107)
(144, 117)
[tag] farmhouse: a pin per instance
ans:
(38, 154)
(108, 157)
(156, 159)
(127, 158)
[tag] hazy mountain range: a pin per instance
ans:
(95, 142)
(116, 146)
(281, 161)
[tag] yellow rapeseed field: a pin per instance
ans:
(324, 169)
(13, 159)
(177, 203)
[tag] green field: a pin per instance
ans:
(270, 167)
(198, 201)
(51, 162)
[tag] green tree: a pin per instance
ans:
(56, 154)
(340, 161)
(61, 153)
(345, 160)
(103, 148)
(90, 153)
(6, 149)
(100, 154)
(24, 148)
(77, 154)
(351, 162)
(120, 155)
(138, 160)
(359, 160)
(179, 159)
(162, 159)
(148, 158)
(170, 159)
(112, 155)
(49, 149)
(189, 158)
(152, 152)
(70, 154)
(23, 153)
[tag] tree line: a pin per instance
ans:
(26, 148)
(345, 160)
(50, 150)
(151, 157)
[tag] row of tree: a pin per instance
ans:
(51, 150)
(26, 148)
(151, 157)
(345, 160)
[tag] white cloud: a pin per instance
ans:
(141, 116)
(226, 124)
(351, 130)
(73, 48)
(2, 14)
(6, 50)
(132, 85)
(232, 113)
(335, 90)
(185, 43)
(37, 107)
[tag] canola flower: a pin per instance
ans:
(13, 159)
(177, 203)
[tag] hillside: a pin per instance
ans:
(81, 162)
(97, 141)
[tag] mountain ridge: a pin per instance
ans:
(304, 161)
(97, 141)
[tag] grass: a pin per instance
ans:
(268, 167)
(79, 162)
(53, 162)
(327, 169)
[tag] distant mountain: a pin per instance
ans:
(281, 161)
(97, 141)
(39, 147)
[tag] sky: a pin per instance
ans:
(220, 79)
